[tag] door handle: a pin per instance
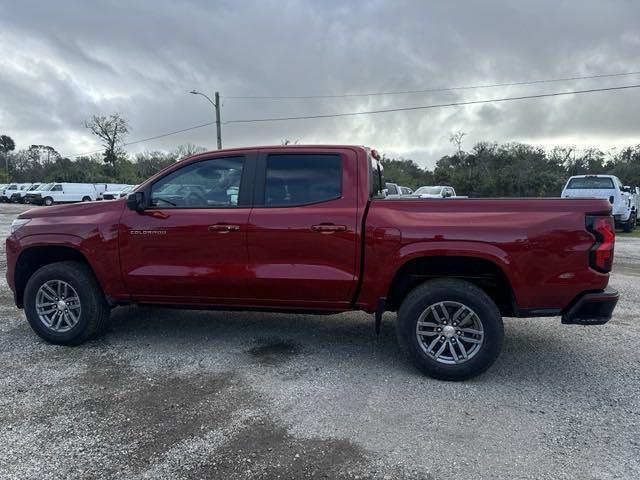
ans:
(223, 228)
(328, 228)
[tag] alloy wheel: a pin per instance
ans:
(449, 332)
(58, 306)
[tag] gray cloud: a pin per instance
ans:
(63, 61)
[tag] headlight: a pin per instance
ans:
(19, 222)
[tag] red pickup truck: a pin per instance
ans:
(307, 229)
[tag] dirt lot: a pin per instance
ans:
(193, 394)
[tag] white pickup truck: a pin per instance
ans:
(623, 200)
(439, 191)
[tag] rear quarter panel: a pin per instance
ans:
(541, 245)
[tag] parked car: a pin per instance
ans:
(439, 191)
(608, 187)
(65, 193)
(393, 190)
(115, 194)
(106, 187)
(19, 195)
(301, 228)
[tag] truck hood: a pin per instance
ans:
(81, 209)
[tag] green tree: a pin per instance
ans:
(6, 144)
(111, 131)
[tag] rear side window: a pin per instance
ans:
(299, 179)
(592, 183)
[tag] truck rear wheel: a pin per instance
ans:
(64, 303)
(450, 329)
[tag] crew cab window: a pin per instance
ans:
(211, 183)
(299, 179)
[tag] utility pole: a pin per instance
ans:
(218, 126)
(216, 105)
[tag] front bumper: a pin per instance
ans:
(593, 308)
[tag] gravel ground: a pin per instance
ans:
(194, 394)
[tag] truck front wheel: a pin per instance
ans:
(64, 304)
(450, 329)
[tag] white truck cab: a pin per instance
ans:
(608, 187)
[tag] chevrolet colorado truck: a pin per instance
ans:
(307, 229)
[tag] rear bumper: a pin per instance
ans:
(593, 308)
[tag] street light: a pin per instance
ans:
(216, 105)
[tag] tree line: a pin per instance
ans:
(487, 170)
(515, 169)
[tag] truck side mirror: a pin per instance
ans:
(135, 201)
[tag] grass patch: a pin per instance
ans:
(634, 234)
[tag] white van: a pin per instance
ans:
(13, 188)
(21, 192)
(608, 187)
(65, 193)
(104, 187)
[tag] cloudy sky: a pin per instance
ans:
(62, 61)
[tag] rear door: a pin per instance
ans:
(302, 230)
(189, 246)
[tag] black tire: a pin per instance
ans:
(453, 291)
(630, 225)
(94, 313)
(86, 199)
(48, 201)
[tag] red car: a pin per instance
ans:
(307, 228)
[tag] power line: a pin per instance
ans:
(371, 112)
(155, 137)
(430, 90)
(439, 105)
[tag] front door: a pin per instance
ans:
(190, 244)
(303, 229)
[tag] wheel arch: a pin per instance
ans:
(485, 273)
(37, 256)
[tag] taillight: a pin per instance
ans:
(601, 254)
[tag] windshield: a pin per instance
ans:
(34, 187)
(590, 183)
(428, 191)
(128, 189)
(44, 187)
